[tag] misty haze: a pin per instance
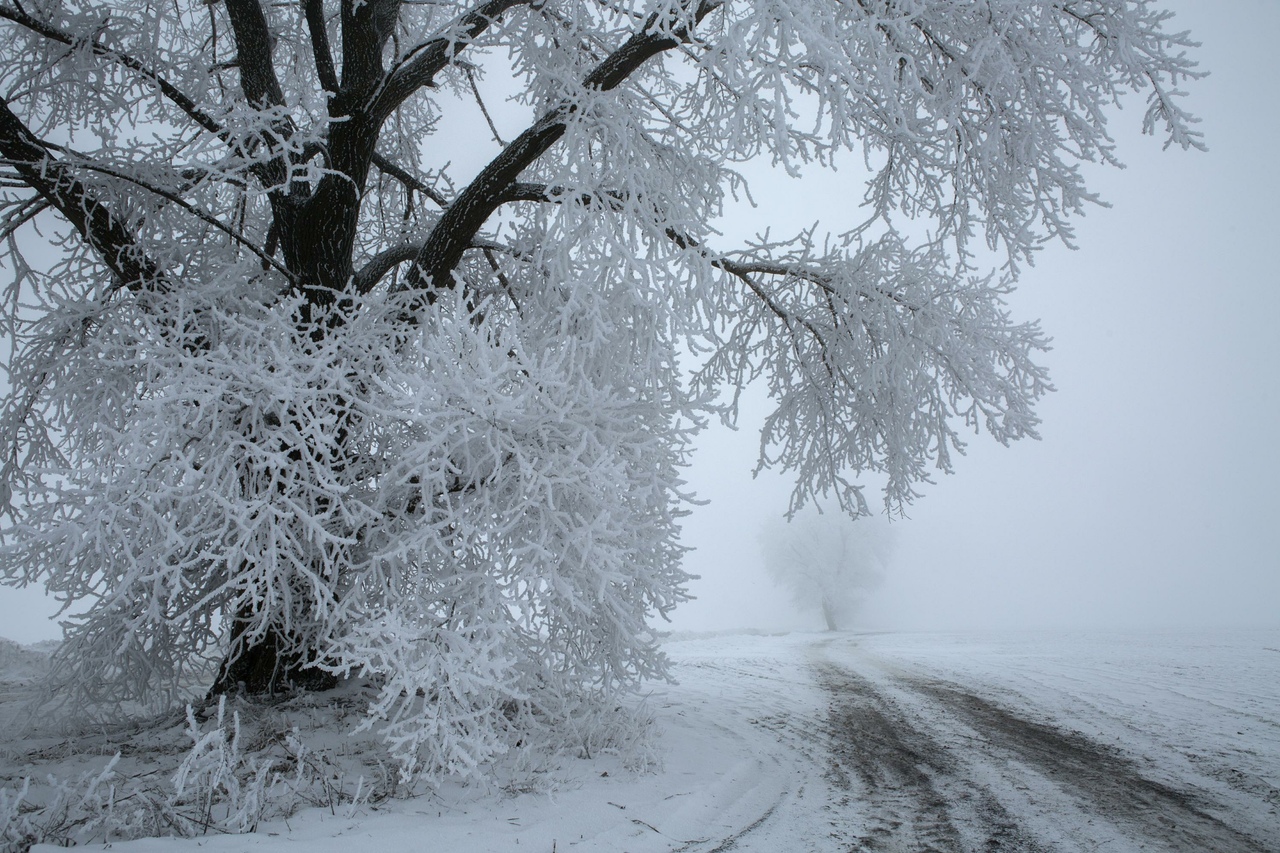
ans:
(656, 425)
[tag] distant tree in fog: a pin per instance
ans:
(829, 562)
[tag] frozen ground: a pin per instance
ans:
(883, 742)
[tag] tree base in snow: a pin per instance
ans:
(263, 669)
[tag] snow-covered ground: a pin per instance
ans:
(881, 742)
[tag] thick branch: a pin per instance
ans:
(460, 223)
(424, 62)
(318, 233)
(261, 87)
(314, 12)
(253, 54)
(367, 278)
(642, 47)
(453, 233)
(366, 26)
(113, 242)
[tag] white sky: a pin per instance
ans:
(1151, 500)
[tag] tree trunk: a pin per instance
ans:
(271, 665)
(829, 614)
(283, 660)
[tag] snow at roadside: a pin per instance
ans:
(1036, 741)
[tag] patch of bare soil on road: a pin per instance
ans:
(923, 766)
(1108, 782)
(912, 792)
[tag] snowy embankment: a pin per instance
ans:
(942, 742)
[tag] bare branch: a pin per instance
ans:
(409, 181)
(421, 64)
(475, 91)
(25, 211)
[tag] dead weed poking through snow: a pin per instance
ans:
(241, 766)
(229, 767)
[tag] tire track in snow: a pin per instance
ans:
(907, 783)
(766, 710)
(1110, 783)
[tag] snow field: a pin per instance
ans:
(953, 742)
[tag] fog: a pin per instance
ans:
(1151, 500)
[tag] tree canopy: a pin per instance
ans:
(290, 398)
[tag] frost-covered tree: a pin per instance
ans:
(290, 399)
(828, 562)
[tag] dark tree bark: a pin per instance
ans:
(271, 664)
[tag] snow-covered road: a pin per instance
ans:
(892, 742)
(1011, 742)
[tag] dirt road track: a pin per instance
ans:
(934, 768)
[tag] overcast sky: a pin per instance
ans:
(1151, 499)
